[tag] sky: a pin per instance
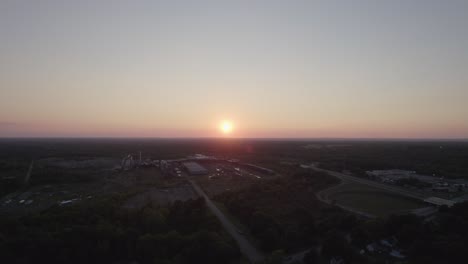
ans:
(280, 69)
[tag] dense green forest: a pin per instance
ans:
(102, 232)
(443, 239)
(284, 213)
(281, 214)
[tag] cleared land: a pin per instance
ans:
(227, 180)
(161, 196)
(371, 200)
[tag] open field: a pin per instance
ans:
(161, 196)
(371, 200)
(60, 186)
(38, 198)
(227, 178)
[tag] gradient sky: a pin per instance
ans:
(358, 69)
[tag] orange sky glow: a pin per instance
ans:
(275, 69)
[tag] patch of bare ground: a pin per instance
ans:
(161, 196)
(217, 185)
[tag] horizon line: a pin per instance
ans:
(247, 138)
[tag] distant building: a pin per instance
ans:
(443, 189)
(201, 157)
(390, 173)
(439, 201)
(392, 176)
(194, 168)
(259, 169)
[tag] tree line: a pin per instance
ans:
(102, 232)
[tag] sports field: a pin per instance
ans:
(372, 200)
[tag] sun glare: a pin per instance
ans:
(226, 127)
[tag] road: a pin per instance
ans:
(386, 187)
(425, 211)
(296, 258)
(28, 175)
(247, 249)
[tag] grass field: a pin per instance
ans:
(372, 200)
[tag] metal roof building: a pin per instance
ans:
(439, 201)
(194, 168)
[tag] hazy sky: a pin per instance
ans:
(275, 68)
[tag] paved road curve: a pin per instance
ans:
(249, 251)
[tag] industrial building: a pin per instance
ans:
(390, 173)
(194, 168)
(258, 168)
(439, 201)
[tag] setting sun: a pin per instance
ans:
(226, 127)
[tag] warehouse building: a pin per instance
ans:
(194, 168)
(439, 201)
